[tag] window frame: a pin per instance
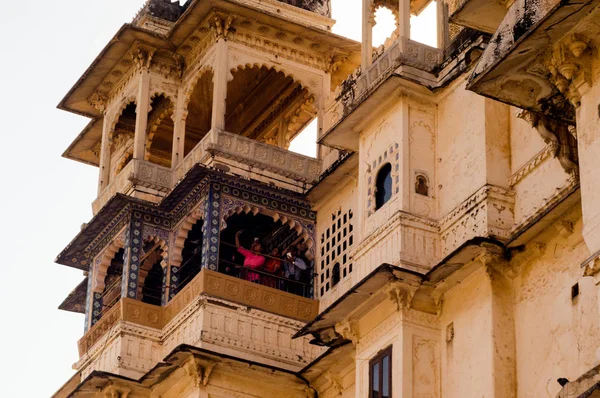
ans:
(378, 360)
(380, 179)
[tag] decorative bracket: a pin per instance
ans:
(113, 391)
(401, 294)
(199, 372)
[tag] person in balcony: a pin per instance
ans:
(252, 258)
(272, 266)
(292, 269)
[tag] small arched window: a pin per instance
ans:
(383, 186)
(421, 185)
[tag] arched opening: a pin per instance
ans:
(151, 276)
(268, 106)
(199, 117)
(112, 282)
(159, 137)
(421, 185)
(191, 255)
(269, 253)
(383, 186)
(121, 143)
(385, 30)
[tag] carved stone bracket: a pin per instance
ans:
(221, 28)
(557, 135)
(348, 330)
(199, 371)
(401, 295)
(113, 391)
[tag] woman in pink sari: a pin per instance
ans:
(252, 257)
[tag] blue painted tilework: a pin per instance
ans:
(88, 303)
(96, 307)
(211, 228)
(174, 282)
(133, 252)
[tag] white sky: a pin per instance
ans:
(46, 46)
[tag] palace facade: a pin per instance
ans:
(444, 242)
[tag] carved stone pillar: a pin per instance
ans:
(103, 179)
(221, 74)
(443, 32)
(141, 121)
(88, 302)
(403, 19)
(211, 228)
(179, 118)
(133, 253)
(368, 21)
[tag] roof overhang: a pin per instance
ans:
(99, 381)
(514, 68)
(85, 148)
(77, 99)
(75, 301)
(483, 15)
(371, 291)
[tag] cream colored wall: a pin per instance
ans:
(460, 147)
(466, 360)
(556, 336)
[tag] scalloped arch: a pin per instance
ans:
(102, 263)
(119, 112)
(285, 220)
(181, 236)
(168, 111)
(191, 86)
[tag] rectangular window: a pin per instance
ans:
(380, 375)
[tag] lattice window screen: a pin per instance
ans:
(336, 242)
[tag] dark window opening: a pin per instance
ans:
(421, 185)
(112, 282)
(575, 291)
(380, 375)
(335, 274)
(191, 255)
(153, 284)
(383, 186)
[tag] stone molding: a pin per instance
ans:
(535, 161)
(489, 212)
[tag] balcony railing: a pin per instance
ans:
(136, 173)
(208, 283)
(252, 153)
(361, 84)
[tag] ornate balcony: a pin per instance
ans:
(206, 283)
(252, 153)
(137, 173)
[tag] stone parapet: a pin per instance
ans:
(137, 173)
(252, 153)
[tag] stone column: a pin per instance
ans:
(221, 73)
(443, 32)
(133, 252)
(141, 121)
(368, 21)
(97, 307)
(104, 177)
(403, 19)
(88, 301)
(211, 228)
(179, 118)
